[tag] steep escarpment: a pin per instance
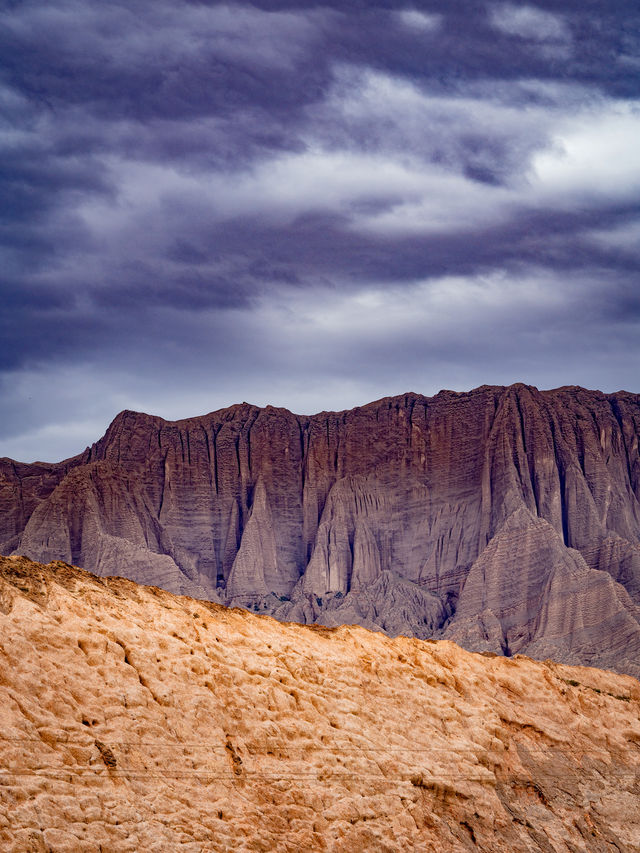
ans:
(22, 488)
(396, 515)
(135, 720)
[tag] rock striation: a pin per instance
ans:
(506, 519)
(132, 719)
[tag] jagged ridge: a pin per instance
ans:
(385, 515)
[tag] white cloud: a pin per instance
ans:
(529, 22)
(435, 309)
(594, 155)
(487, 127)
(419, 21)
(419, 178)
(408, 195)
(456, 332)
(446, 203)
(625, 237)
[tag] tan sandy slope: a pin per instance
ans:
(135, 720)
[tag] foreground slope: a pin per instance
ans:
(398, 516)
(136, 720)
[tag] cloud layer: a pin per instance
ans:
(310, 205)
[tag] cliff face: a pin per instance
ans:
(134, 720)
(506, 517)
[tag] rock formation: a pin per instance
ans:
(132, 719)
(507, 519)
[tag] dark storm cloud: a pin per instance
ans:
(184, 185)
(156, 59)
(323, 247)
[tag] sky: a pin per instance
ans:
(310, 205)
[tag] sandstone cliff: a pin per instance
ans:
(507, 519)
(135, 720)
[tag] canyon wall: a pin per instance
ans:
(507, 519)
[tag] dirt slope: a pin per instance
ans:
(135, 720)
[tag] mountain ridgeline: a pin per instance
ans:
(506, 519)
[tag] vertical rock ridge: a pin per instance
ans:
(315, 506)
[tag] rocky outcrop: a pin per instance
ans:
(136, 720)
(22, 488)
(403, 515)
(528, 591)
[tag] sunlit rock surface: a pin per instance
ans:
(507, 519)
(135, 720)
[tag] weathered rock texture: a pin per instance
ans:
(507, 519)
(132, 719)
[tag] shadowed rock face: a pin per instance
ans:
(134, 720)
(507, 518)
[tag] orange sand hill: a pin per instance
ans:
(136, 720)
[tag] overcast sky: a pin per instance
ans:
(312, 206)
